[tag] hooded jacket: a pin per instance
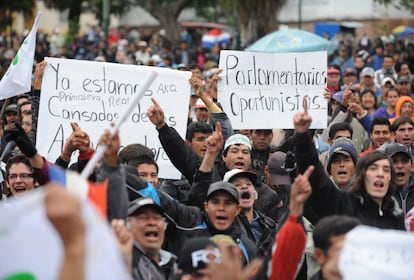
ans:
(398, 107)
(198, 195)
(327, 200)
(185, 221)
(188, 162)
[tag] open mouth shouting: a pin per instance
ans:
(379, 184)
(222, 222)
(246, 195)
(151, 234)
(239, 165)
(19, 189)
(342, 174)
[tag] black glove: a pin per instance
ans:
(22, 140)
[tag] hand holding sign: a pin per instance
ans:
(327, 94)
(156, 114)
(197, 84)
(216, 77)
(38, 75)
(302, 120)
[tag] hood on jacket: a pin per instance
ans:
(400, 103)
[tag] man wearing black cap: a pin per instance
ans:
(149, 261)
(342, 160)
(277, 172)
(403, 163)
(261, 150)
(404, 85)
(221, 207)
(10, 116)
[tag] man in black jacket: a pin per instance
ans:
(149, 261)
(218, 216)
(236, 154)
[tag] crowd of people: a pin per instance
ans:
(241, 197)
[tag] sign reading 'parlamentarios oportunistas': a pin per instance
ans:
(263, 91)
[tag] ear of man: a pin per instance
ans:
(319, 255)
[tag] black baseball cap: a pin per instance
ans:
(137, 205)
(225, 187)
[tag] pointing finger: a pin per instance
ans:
(309, 171)
(218, 127)
(305, 105)
(74, 126)
(155, 102)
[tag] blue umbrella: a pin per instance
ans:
(403, 31)
(291, 40)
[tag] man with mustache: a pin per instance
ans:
(147, 225)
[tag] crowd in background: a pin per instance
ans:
(240, 196)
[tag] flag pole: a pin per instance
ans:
(113, 129)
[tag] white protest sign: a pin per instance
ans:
(264, 91)
(94, 94)
(32, 249)
(372, 253)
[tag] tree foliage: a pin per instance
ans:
(7, 7)
(76, 7)
(399, 4)
(166, 12)
(256, 18)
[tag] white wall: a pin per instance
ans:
(329, 10)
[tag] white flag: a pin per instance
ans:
(18, 77)
(32, 249)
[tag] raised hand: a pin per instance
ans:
(300, 192)
(197, 84)
(64, 212)
(327, 94)
(156, 114)
(38, 75)
(231, 266)
(78, 140)
(302, 120)
(347, 98)
(125, 240)
(23, 141)
(113, 143)
(214, 80)
(215, 141)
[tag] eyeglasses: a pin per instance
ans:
(23, 176)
